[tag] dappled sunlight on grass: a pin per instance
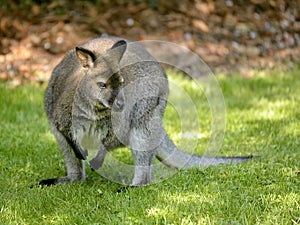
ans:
(154, 211)
(278, 109)
(187, 197)
(48, 136)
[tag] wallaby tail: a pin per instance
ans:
(171, 156)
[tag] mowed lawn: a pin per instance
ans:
(262, 118)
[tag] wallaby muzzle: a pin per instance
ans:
(119, 102)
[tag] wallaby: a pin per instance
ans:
(92, 101)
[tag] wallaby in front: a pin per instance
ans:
(93, 102)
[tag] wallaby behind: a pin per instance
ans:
(107, 93)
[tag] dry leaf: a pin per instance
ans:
(200, 25)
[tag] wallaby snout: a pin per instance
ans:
(119, 102)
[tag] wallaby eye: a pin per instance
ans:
(101, 85)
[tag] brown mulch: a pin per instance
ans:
(228, 35)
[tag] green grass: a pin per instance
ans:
(263, 118)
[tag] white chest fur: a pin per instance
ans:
(88, 134)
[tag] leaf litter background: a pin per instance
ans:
(228, 35)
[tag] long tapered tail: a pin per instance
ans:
(171, 156)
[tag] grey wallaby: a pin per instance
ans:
(110, 92)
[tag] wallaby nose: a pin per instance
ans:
(118, 104)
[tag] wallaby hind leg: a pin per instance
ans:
(144, 141)
(143, 159)
(143, 151)
(75, 169)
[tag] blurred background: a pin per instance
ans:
(229, 35)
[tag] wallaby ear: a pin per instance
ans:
(85, 57)
(118, 50)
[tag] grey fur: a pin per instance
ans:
(107, 93)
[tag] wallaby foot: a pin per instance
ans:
(61, 180)
(48, 182)
(142, 176)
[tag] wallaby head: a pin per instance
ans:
(102, 81)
